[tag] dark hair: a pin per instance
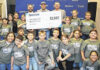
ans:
(10, 33)
(64, 35)
(16, 13)
(95, 52)
(93, 30)
(76, 30)
(56, 29)
(68, 18)
(0, 17)
(5, 19)
(20, 37)
(10, 15)
(30, 33)
(20, 28)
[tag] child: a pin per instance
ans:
(21, 32)
(44, 9)
(75, 21)
(22, 23)
(43, 50)
(92, 63)
(87, 25)
(91, 44)
(6, 47)
(67, 28)
(55, 45)
(16, 17)
(20, 55)
(77, 43)
(31, 44)
(5, 28)
(10, 20)
(34, 32)
(57, 8)
(67, 51)
(12, 23)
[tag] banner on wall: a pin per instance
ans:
(37, 20)
(67, 5)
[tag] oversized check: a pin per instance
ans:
(39, 20)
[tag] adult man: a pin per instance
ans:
(30, 8)
(43, 9)
(57, 8)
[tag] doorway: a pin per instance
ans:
(0, 9)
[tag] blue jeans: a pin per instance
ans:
(4, 66)
(49, 65)
(22, 67)
(41, 66)
(33, 64)
(82, 68)
(77, 65)
(47, 34)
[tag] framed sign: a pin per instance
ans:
(39, 20)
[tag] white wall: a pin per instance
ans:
(4, 8)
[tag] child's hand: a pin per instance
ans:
(53, 62)
(84, 59)
(27, 67)
(39, 62)
(62, 33)
(58, 59)
(61, 59)
(11, 67)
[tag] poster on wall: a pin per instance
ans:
(67, 5)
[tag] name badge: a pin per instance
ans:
(67, 30)
(86, 24)
(74, 23)
(54, 46)
(30, 48)
(7, 50)
(92, 47)
(64, 51)
(18, 54)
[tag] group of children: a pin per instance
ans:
(75, 46)
(17, 53)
